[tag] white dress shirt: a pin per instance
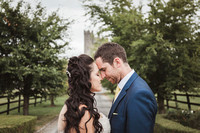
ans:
(122, 83)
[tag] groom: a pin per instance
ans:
(134, 107)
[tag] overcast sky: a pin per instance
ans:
(73, 10)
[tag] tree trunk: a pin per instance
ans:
(26, 105)
(52, 100)
(161, 106)
(112, 91)
(26, 93)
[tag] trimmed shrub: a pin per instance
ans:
(186, 118)
(17, 124)
(164, 125)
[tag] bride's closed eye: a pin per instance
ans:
(98, 73)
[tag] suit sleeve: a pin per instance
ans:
(141, 112)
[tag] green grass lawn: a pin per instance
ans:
(184, 98)
(12, 105)
(44, 112)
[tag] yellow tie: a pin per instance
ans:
(116, 92)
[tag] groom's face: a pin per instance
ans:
(108, 71)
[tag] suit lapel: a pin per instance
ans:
(122, 93)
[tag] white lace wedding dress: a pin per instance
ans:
(105, 123)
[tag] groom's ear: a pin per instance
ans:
(117, 62)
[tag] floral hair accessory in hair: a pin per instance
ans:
(68, 73)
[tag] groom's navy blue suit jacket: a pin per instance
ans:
(135, 108)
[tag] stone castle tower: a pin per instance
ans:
(88, 42)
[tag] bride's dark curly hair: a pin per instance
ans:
(79, 69)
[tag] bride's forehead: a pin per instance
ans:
(94, 67)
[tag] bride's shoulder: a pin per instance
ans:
(61, 119)
(63, 110)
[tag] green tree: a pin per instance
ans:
(174, 32)
(121, 19)
(163, 48)
(29, 49)
(154, 59)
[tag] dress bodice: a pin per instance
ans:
(105, 123)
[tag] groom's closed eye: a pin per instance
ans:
(102, 70)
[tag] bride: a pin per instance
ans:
(79, 115)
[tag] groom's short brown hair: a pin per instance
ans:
(109, 51)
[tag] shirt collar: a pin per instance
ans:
(125, 79)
